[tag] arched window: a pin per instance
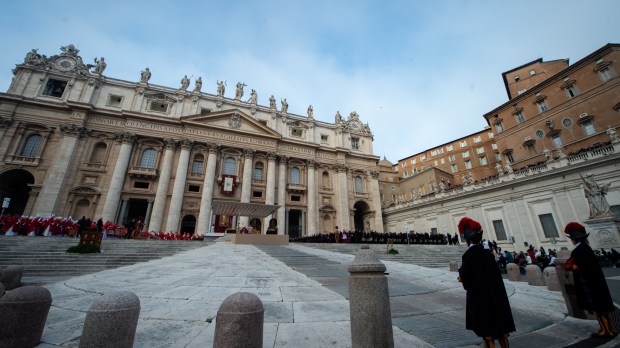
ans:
(148, 158)
(230, 166)
(325, 180)
(295, 176)
(197, 165)
(32, 145)
(258, 171)
(358, 185)
(98, 155)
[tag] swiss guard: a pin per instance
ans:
(590, 285)
(487, 310)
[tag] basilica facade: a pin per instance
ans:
(75, 142)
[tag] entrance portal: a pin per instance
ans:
(360, 218)
(136, 210)
(188, 224)
(295, 227)
(14, 185)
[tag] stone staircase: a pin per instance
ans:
(45, 258)
(426, 255)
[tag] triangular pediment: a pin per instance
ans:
(230, 120)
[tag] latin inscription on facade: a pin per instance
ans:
(296, 149)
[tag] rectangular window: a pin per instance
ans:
(572, 91)
(422, 157)
(324, 139)
(193, 188)
(404, 164)
(480, 150)
(467, 164)
(483, 161)
(295, 198)
(548, 226)
(500, 232)
(509, 158)
(499, 127)
(450, 148)
(606, 74)
(465, 154)
(158, 106)
(519, 117)
(521, 91)
(54, 88)
(440, 150)
(442, 161)
(197, 167)
(405, 174)
(542, 106)
(494, 146)
(355, 143)
(297, 132)
(141, 185)
(557, 141)
(452, 158)
(433, 230)
(463, 143)
(435, 163)
(491, 135)
(477, 139)
(115, 100)
(589, 128)
(434, 153)
(413, 161)
(257, 194)
(454, 168)
(498, 157)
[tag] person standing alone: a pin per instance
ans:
(487, 311)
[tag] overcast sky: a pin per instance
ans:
(421, 73)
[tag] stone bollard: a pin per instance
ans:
(454, 266)
(369, 301)
(23, 313)
(567, 285)
(514, 274)
(11, 277)
(111, 321)
(551, 278)
(239, 322)
(534, 275)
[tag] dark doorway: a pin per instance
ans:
(361, 210)
(14, 185)
(188, 224)
(136, 211)
(294, 223)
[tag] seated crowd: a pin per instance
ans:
(373, 237)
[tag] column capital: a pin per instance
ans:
(282, 159)
(312, 164)
(213, 147)
(341, 168)
(272, 156)
(170, 144)
(248, 153)
(5, 122)
(126, 138)
(186, 144)
(374, 174)
(74, 131)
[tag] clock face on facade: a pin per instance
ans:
(65, 64)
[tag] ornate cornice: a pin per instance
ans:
(126, 138)
(5, 122)
(341, 168)
(73, 130)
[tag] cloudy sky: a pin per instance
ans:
(421, 73)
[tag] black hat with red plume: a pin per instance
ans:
(576, 231)
(470, 229)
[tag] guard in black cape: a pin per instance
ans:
(488, 311)
(590, 284)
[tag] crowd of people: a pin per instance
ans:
(373, 237)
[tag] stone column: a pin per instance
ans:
(154, 222)
(121, 216)
(271, 185)
(312, 215)
(246, 183)
(176, 202)
(4, 125)
(110, 206)
(376, 199)
(56, 176)
(282, 196)
(207, 192)
(149, 211)
(343, 198)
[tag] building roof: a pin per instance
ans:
(243, 209)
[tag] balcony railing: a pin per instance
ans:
(296, 187)
(143, 172)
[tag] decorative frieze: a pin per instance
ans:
(126, 138)
(73, 130)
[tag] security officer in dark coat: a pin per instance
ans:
(488, 311)
(590, 284)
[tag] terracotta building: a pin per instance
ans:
(74, 142)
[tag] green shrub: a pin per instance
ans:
(84, 249)
(393, 251)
